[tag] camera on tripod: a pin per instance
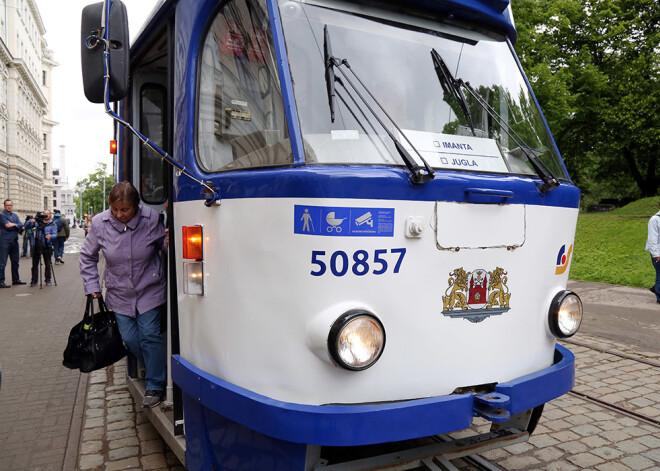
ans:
(40, 217)
(44, 231)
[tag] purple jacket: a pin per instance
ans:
(134, 276)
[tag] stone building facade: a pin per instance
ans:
(26, 123)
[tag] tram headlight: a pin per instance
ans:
(565, 314)
(356, 340)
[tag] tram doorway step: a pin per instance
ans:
(434, 457)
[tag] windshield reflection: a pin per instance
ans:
(395, 65)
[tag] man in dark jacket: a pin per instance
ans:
(45, 231)
(10, 224)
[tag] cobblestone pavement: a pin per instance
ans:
(41, 401)
(116, 435)
(573, 434)
(620, 381)
(576, 434)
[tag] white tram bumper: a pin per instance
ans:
(221, 418)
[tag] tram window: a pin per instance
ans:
(241, 121)
(152, 124)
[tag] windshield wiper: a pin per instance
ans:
(330, 64)
(450, 86)
(419, 175)
(550, 182)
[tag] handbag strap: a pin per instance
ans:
(104, 309)
(102, 306)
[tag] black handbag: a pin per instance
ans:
(95, 342)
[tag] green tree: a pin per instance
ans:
(91, 191)
(595, 68)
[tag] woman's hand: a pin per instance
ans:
(167, 237)
(96, 295)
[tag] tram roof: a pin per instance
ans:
(494, 15)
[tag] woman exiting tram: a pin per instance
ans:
(131, 238)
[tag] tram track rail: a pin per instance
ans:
(608, 405)
(615, 353)
(474, 460)
(436, 455)
(481, 464)
(622, 410)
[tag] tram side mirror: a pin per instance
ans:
(91, 51)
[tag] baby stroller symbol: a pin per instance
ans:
(334, 222)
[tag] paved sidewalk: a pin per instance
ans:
(116, 433)
(41, 402)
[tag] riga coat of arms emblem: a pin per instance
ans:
(477, 295)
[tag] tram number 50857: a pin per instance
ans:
(360, 263)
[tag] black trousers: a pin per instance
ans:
(38, 253)
(9, 250)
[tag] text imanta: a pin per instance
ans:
(452, 145)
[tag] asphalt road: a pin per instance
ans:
(627, 315)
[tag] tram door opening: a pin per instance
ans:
(150, 109)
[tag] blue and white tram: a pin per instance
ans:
(372, 223)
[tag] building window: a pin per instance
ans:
(54, 194)
(45, 141)
(43, 78)
(45, 172)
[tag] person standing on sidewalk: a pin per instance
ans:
(28, 238)
(87, 224)
(63, 232)
(653, 247)
(45, 232)
(10, 225)
(131, 238)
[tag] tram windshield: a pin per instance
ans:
(391, 57)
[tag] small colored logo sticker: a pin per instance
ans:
(346, 222)
(563, 258)
(477, 295)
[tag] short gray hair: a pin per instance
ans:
(124, 191)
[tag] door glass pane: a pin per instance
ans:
(152, 125)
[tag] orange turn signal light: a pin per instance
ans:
(193, 242)
(113, 147)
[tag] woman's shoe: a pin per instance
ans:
(152, 398)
